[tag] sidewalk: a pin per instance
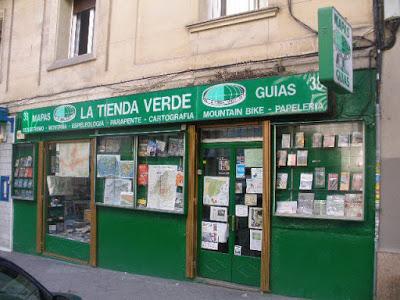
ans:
(95, 283)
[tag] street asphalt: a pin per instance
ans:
(96, 283)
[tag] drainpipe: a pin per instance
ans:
(379, 33)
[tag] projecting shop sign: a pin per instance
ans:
(335, 50)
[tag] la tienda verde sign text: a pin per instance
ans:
(297, 94)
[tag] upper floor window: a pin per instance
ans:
(221, 8)
(82, 27)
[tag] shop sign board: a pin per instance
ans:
(335, 50)
(297, 94)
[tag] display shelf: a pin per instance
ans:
(331, 169)
(321, 217)
(151, 155)
(23, 182)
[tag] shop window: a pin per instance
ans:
(221, 8)
(141, 172)
(23, 176)
(319, 171)
(68, 190)
(231, 134)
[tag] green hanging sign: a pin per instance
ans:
(335, 50)
(297, 94)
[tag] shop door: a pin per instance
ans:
(230, 212)
(68, 204)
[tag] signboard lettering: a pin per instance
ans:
(297, 94)
(335, 50)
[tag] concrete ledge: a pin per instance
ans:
(233, 19)
(62, 63)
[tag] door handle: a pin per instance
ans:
(233, 225)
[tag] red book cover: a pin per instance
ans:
(28, 172)
(143, 171)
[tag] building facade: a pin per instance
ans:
(388, 258)
(193, 140)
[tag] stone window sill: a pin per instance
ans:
(233, 19)
(62, 63)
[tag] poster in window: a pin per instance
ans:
(107, 165)
(299, 140)
(216, 190)
(179, 178)
(126, 199)
(74, 159)
(255, 218)
(335, 205)
(143, 172)
(209, 235)
(254, 186)
(219, 213)
(317, 140)
(253, 158)
(223, 166)
(285, 140)
(113, 188)
(175, 147)
(126, 168)
(255, 239)
(162, 187)
(333, 181)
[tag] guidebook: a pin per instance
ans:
(333, 181)
(299, 140)
(281, 158)
(344, 181)
(317, 140)
(302, 156)
(285, 140)
(305, 203)
(319, 178)
(281, 181)
(306, 180)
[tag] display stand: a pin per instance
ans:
(23, 184)
(319, 171)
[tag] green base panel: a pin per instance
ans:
(140, 242)
(321, 265)
(24, 232)
(67, 248)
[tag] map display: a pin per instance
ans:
(162, 187)
(107, 165)
(216, 191)
(74, 159)
(113, 189)
(126, 168)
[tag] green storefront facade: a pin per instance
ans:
(306, 254)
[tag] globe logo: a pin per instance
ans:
(224, 95)
(64, 113)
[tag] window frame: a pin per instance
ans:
(74, 36)
(223, 8)
(136, 136)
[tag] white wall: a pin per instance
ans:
(6, 206)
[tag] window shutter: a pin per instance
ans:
(81, 5)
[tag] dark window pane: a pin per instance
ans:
(84, 17)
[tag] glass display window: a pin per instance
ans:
(142, 171)
(319, 170)
(23, 172)
(67, 202)
(115, 170)
(161, 172)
